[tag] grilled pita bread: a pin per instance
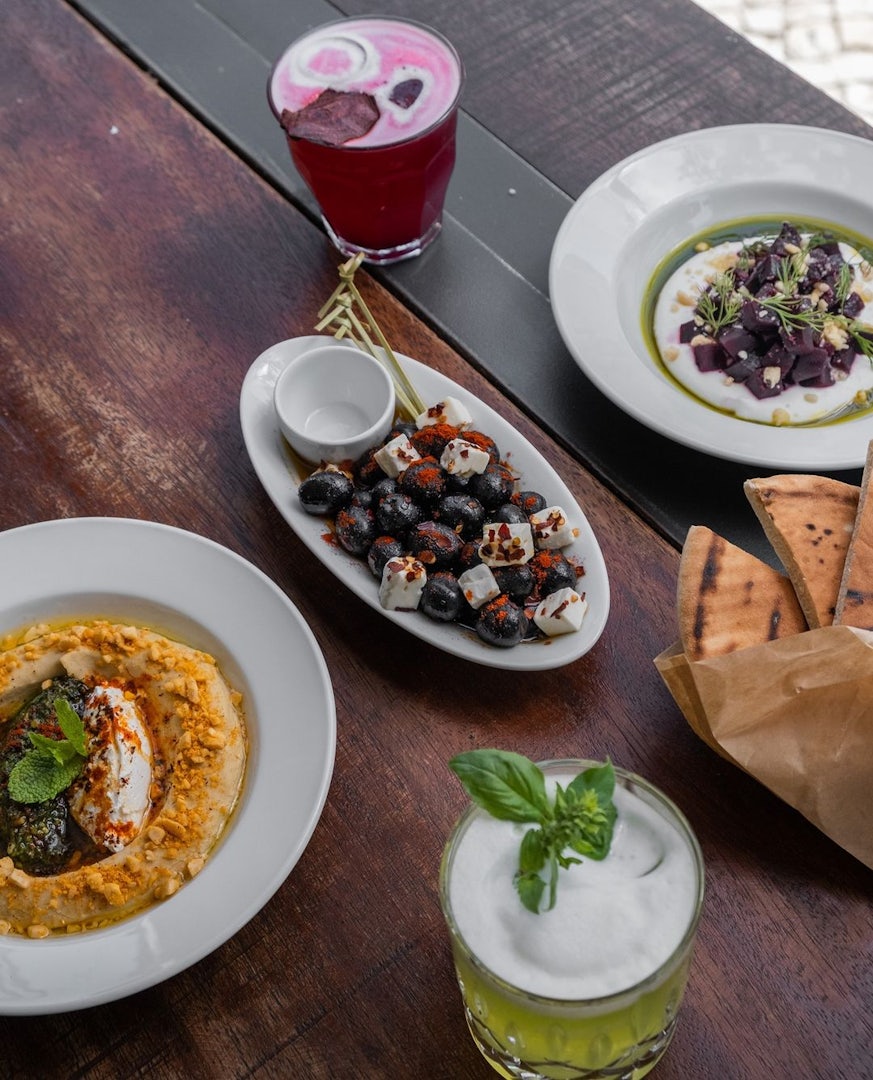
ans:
(728, 599)
(809, 521)
(855, 598)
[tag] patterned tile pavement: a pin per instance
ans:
(828, 42)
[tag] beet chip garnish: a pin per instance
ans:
(334, 117)
(405, 94)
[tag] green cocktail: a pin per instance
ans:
(592, 988)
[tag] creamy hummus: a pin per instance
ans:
(198, 742)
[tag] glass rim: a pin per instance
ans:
(635, 989)
(444, 115)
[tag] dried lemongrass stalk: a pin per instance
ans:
(340, 315)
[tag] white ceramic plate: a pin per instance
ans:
(280, 476)
(192, 589)
(628, 220)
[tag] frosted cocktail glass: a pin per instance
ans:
(381, 191)
(567, 1000)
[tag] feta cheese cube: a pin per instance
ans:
(561, 612)
(395, 456)
(461, 458)
(478, 585)
(403, 580)
(551, 529)
(448, 411)
(506, 545)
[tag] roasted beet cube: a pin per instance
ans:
(758, 319)
(778, 356)
(766, 271)
(816, 267)
(740, 370)
(813, 369)
(788, 235)
(844, 359)
(709, 356)
(799, 341)
(687, 331)
(853, 305)
(737, 342)
(762, 384)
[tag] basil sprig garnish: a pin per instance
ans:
(580, 819)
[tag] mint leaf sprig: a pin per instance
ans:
(51, 765)
(510, 787)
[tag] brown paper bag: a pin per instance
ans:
(797, 714)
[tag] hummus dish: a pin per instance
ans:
(122, 757)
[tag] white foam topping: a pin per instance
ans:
(615, 921)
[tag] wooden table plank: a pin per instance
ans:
(144, 267)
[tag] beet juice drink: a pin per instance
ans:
(369, 107)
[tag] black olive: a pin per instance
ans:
(356, 529)
(367, 470)
(431, 440)
(531, 502)
(396, 514)
(510, 513)
(462, 513)
(383, 487)
(516, 581)
(441, 598)
(502, 623)
(551, 572)
(484, 442)
(325, 492)
(493, 487)
(435, 545)
(425, 481)
(402, 427)
(363, 497)
(469, 556)
(381, 550)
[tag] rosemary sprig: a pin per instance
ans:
(339, 313)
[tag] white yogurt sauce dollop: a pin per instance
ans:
(796, 404)
(615, 922)
(110, 799)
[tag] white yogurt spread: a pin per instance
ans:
(615, 922)
(796, 404)
(110, 799)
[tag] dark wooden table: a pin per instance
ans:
(146, 262)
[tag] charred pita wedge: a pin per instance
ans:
(855, 598)
(809, 521)
(728, 599)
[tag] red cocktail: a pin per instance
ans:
(369, 107)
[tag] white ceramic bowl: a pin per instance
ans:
(333, 403)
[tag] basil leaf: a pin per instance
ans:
(599, 846)
(512, 788)
(600, 779)
(509, 786)
(530, 889)
(532, 854)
